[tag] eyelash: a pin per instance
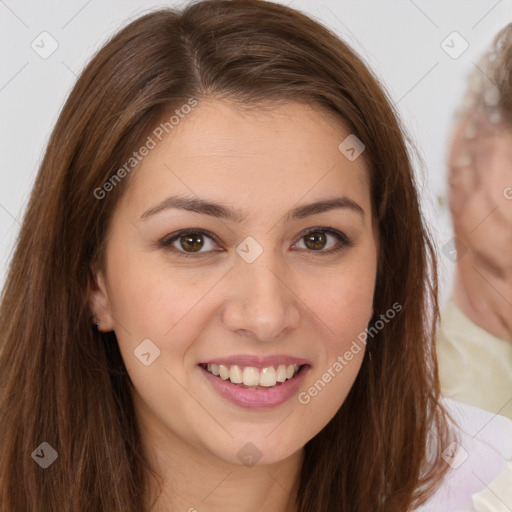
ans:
(166, 243)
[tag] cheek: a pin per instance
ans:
(341, 352)
(148, 297)
(343, 308)
(151, 308)
(343, 315)
(344, 300)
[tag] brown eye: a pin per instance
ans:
(193, 242)
(315, 241)
(190, 242)
(324, 240)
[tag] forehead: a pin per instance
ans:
(292, 147)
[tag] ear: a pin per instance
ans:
(99, 301)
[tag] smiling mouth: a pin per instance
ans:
(251, 377)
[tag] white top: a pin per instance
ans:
(497, 496)
(479, 470)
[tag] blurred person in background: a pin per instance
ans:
(475, 335)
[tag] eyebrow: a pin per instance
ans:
(214, 209)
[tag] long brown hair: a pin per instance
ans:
(64, 383)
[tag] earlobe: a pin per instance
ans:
(99, 302)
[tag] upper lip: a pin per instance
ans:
(257, 361)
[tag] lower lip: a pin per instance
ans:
(257, 398)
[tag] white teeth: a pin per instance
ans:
(268, 377)
(251, 376)
(214, 368)
(281, 373)
(223, 372)
(235, 374)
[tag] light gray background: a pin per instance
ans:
(400, 40)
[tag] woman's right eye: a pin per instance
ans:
(188, 242)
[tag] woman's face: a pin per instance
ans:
(247, 288)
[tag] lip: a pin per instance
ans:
(256, 398)
(257, 361)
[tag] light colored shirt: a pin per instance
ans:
(475, 367)
(497, 496)
(478, 476)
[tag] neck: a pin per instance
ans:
(485, 295)
(193, 480)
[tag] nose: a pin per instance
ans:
(262, 303)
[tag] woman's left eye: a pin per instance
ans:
(316, 240)
(190, 242)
